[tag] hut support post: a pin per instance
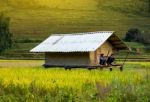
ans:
(121, 68)
(111, 69)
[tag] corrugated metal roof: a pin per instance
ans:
(77, 42)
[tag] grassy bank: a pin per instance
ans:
(26, 81)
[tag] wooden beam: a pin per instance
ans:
(119, 45)
(116, 42)
(95, 57)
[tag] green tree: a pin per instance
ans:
(135, 35)
(5, 35)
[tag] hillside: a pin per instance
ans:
(34, 20)
(38, 19)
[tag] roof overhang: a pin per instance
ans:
(117, 42)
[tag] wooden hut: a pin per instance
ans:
(79, 49)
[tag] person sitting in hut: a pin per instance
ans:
(110, 59)
(102, 59)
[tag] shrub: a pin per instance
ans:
(132, 35)
(135, 35)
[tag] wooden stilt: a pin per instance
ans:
(111, 69)
(121, 68)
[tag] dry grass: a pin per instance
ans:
(20, 63)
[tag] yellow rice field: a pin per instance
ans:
(28, 81)
(26, 72)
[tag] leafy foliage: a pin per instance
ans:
(135, 35)
(5, 35)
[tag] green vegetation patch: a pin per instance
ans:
(21, 82)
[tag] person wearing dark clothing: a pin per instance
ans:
(102, 59)
(110, 59)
